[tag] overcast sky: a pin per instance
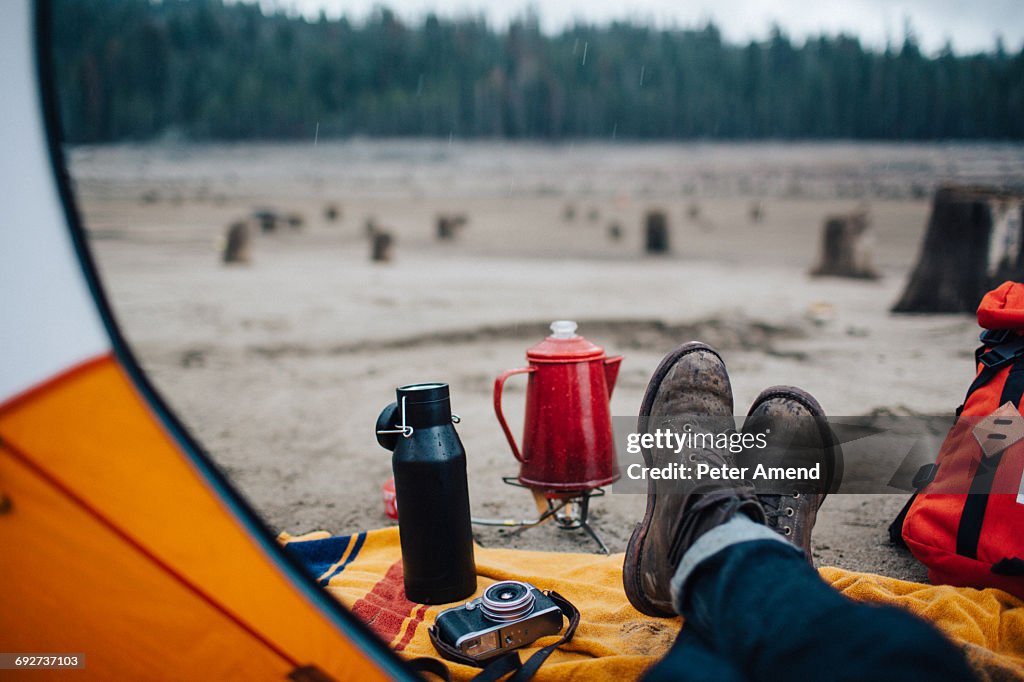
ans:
(971, 25)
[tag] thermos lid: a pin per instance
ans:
(418, 406)
(564, 345)
(419, 394)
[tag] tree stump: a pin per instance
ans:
(756, 212)
(973, 242)
(846, 247)
(1006, 255)
(381, 246)
(267, 220)
(448, 225)
(237, 244)
(656, 230)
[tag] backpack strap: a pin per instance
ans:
(969, 532)
(1009, 566)
(896, 527)
(1013, 389)
(924, 476)
(999, 349)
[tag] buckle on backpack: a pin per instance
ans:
(997, 356)
(924, 476)
(992, 358)
(994, 337)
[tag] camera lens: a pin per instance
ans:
(507, 601)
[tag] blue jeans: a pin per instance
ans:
(755, 610)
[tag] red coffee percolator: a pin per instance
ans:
(568, 451)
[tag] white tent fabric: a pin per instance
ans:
(47, 320)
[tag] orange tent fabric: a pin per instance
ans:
(117, 547)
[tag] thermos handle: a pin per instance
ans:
(499, 384)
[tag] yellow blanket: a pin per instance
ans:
(615, 642)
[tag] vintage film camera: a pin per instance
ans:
(509, 615)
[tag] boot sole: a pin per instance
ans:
(631, 564)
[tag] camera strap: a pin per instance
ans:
(497, 668)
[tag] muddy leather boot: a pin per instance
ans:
(691, 381)
(797, 435)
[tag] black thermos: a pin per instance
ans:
(432, 493)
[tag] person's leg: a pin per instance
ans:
(758, 603)
(749, 597)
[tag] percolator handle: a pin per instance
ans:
(499, 384)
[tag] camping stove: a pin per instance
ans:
(569, 511)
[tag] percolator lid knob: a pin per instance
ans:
(563, 329)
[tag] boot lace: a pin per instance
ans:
(776, 511)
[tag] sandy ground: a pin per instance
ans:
(280, 367)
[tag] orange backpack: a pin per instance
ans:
(966, 523)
